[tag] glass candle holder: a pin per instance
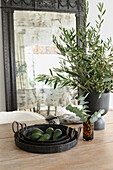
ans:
(88, 130)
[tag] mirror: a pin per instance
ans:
(35, 53)
(27, 31)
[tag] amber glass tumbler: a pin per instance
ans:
(88, 130)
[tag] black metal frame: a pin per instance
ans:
(7, 9)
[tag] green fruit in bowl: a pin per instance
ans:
(50, 131)
(57, 134)
(35, 136)
(37, 130)
(44, 137)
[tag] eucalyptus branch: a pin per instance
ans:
(83, 113)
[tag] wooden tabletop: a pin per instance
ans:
(86, 155)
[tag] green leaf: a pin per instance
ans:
(99, 17)
(61, 76)
(88, 24)
(46, 81)
(55, 84)
(99, 8)
(100, 95)
(107, 79)
(96, 115)
(104, 12)
(102, 21)
(51, 72)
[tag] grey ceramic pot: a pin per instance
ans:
(95, 103)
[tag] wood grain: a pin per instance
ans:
(91, 155)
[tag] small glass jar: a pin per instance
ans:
(88, 130)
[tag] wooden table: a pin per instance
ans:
(95, 154)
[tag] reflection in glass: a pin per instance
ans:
(35, 53)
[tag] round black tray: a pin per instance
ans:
(58, 146)
(63, 139)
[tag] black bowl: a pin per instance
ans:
(26, 136)
(62, 140)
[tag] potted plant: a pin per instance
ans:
(88, 66)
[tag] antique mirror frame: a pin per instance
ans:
(7, 8)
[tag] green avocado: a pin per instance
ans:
(35, 135)
(44, 137)
(37, 130)
(57, 134)
(50, 131)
